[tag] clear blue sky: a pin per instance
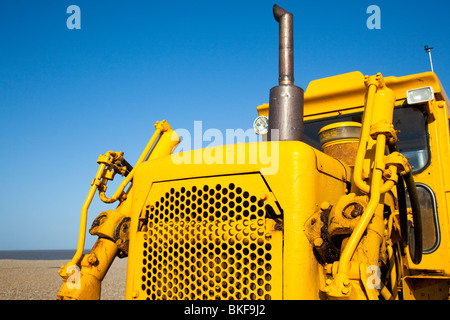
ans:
(67, 96)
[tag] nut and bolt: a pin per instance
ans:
(325, 205)
(318, 242)
(92, 259)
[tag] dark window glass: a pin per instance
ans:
(410, 121)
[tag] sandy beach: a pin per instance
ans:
(39, 280)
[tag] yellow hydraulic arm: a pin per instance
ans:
(374, 175)
(82, 276)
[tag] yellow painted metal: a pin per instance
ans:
(340, 124)
(303, 180)
(347, 91)
(107, 223)
(377, 128)
(208, 238)
(169, 141)
(83, 281)
(339, 92)
(231, 222)
(310, 183)
(340, 287)
(102, 254)
(426, 287)
(377, 116)
(100, 181)
(437, 176)
(161, 198)
(82, 236)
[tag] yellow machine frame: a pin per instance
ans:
(280, 219)
(220, 256)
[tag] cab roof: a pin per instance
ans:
(348, 90)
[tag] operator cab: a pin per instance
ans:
(410, 119)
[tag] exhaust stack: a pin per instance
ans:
(286, 99)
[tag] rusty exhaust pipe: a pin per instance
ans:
(286, 45)
(286, 99)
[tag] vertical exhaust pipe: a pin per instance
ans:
(286, 99)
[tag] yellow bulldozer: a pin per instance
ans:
(345, 195)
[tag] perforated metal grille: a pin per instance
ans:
(207, 241)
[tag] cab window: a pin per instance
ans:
(413, 133)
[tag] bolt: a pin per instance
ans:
(278, 226)
(378, 76)
(325, 206)
(353, 210)
(135, 294)
(388, 173)
(263, 196)
(92, 259)
(345, 290)
(318, 242)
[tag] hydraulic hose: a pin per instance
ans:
(401, 196)
(128, 166)
(416, 257)
(129, 176)
(403, 213)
